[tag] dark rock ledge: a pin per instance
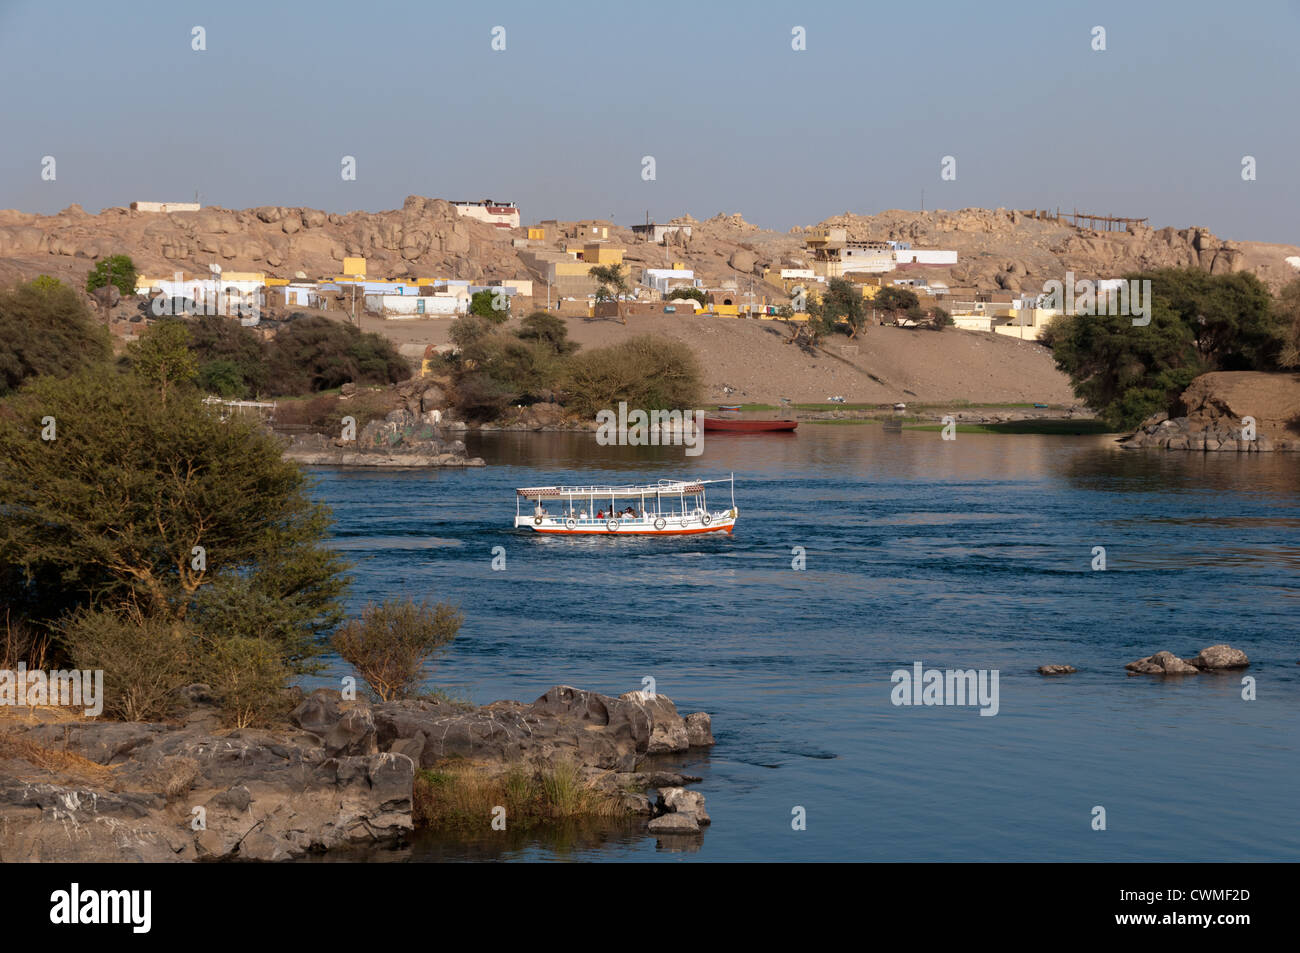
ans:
(341, 776)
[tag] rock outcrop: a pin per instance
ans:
(341, 775)
(1213, 658)
(1229, 412)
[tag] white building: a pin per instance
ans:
(165, 206)
(416, 306)
(500, 214)
(664, 280)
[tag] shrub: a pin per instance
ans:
(391, 643)
(47, 330)
(145, 660)
(649, 372)
(248, 677)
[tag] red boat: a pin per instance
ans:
(740, 425)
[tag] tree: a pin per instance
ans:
(1287, 307)
(649, 372)
(894, 301)
(542, 327)
(1126, 373)
(483, 304)
(694, 294)
(165, 510)
(315, 353)
(116, 270)
(842, 300)
(611, 282)
(1198, 322)
(940, 319)
(162, 357)
(45, 328)
(232, 358)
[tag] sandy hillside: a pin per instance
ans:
(752, 358)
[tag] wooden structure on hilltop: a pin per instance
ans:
(1108, 223)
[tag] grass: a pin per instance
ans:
(1058, 427)
(843, 421)
(52, 760)
(459, 795)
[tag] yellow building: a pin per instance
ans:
(599, 253)
(354, 267)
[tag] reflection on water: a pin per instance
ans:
(973, 553)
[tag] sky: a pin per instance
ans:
(1156, 125)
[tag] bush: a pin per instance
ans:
(145, 660)
(649, 372)
(46, 329)
(391, 643)
(248, 677)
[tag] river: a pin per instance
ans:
(975, 553)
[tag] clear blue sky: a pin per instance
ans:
(737, 121)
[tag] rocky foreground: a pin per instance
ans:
(340, 775)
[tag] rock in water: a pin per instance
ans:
(1162, 663)
(667, 728)
(699, 729)
(673, 824)
(1220, 657)
(1056, 670)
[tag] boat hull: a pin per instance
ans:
(691, 526)
(749, 426)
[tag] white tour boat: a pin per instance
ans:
(666, 508)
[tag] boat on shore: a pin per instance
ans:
(666, 508)
(743, 425)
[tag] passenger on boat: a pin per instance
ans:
(600, 514)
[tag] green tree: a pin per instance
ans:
(483, 304)
(542, 327)
(232, 358)
(164, 510)
(895, 301)
(611, 282)
(649, 372)
(162, 357)
(1126, 373)
(1198, 322)
(694, 294)
(940, 319)
(314, 353)
(1287, 308)
(841, 301)
(46, 329)
(116, 270)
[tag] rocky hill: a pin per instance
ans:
(997, 248)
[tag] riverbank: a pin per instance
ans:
(339, 775)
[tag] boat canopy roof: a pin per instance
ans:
(671, 487)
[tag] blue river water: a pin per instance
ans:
(976, 553)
